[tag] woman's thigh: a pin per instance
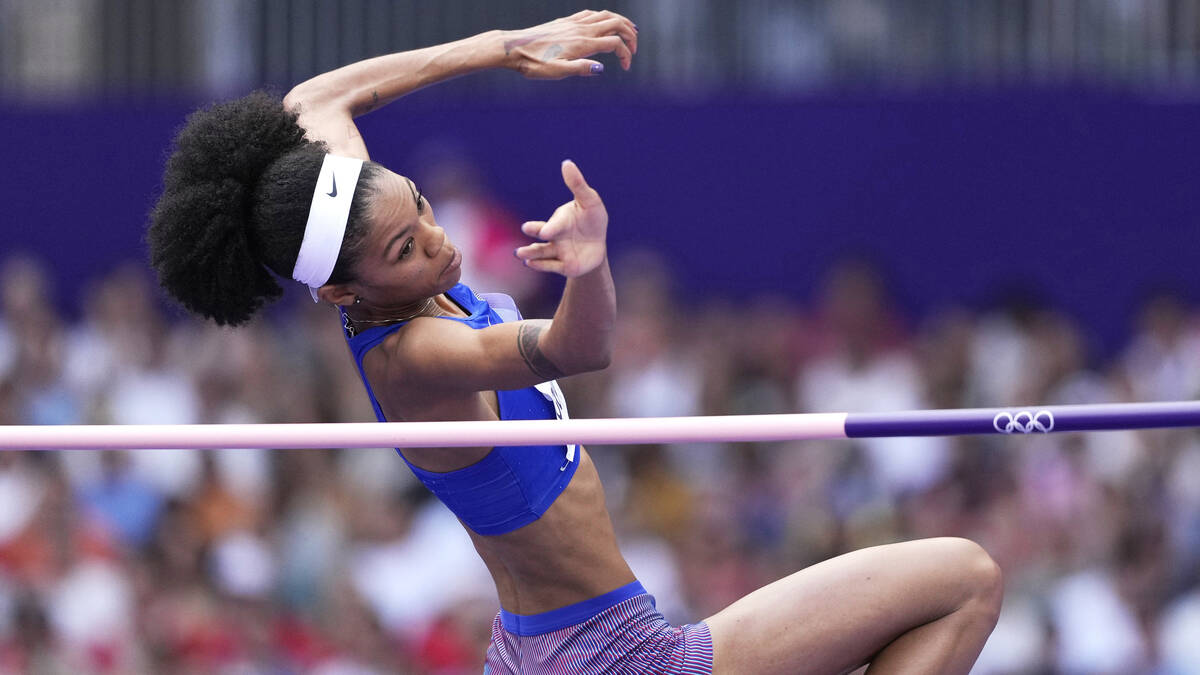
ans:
(832, 617)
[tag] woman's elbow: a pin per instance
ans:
(309, 97)
(601, 361)
(598, 359)
(582, 361)
(294, 100)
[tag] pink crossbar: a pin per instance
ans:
(427, 434)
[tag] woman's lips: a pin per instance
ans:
(455, 262)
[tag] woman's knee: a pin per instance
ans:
(980, 577)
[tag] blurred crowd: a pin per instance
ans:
(336, 561)
(79, 49)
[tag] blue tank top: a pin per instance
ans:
(511, 486)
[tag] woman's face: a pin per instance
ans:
(406, 257)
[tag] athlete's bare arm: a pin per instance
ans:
(445, 357)
(328, 103)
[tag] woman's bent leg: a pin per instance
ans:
(918, 607)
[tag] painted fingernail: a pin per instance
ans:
(515, 253)
(635, 27)
(597, 68)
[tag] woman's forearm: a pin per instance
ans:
(327, 104)
(363, 86)
(581, 337)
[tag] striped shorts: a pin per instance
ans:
(618, 632)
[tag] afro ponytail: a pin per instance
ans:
(235, 201)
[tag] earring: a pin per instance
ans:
(357, 300)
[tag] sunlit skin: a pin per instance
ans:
(917, 607)
(408, 260)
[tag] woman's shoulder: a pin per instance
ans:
(400, 372)
(399, 355)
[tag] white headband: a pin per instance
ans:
(326, 221)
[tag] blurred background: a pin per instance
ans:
(815, 206)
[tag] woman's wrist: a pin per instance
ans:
(508, 45)
(495, 49)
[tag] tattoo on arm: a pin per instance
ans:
(368, 107)
(510, 45)
(527, 343)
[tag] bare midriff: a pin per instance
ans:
(567, 555)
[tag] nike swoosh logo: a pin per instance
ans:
(334, 192)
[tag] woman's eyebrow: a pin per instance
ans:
(413, 186)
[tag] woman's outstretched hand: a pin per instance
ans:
(561, 47)
(573, 239)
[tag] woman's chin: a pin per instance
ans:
(452, 278)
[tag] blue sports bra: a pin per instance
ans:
(511, 486)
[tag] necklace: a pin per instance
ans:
(352, 325)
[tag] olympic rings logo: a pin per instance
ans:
(1024, 422)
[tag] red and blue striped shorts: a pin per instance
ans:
(618, 632)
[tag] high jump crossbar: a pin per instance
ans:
(1022, 420)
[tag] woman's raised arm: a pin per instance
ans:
(328, 103)
(432, 356)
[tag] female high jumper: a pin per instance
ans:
(258, 188)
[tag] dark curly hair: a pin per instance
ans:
(235, 201)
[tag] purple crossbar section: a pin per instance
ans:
(1024, 420)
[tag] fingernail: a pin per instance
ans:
(635, 26)
(597, 68)
(515, 253)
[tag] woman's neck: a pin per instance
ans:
(362, 317)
